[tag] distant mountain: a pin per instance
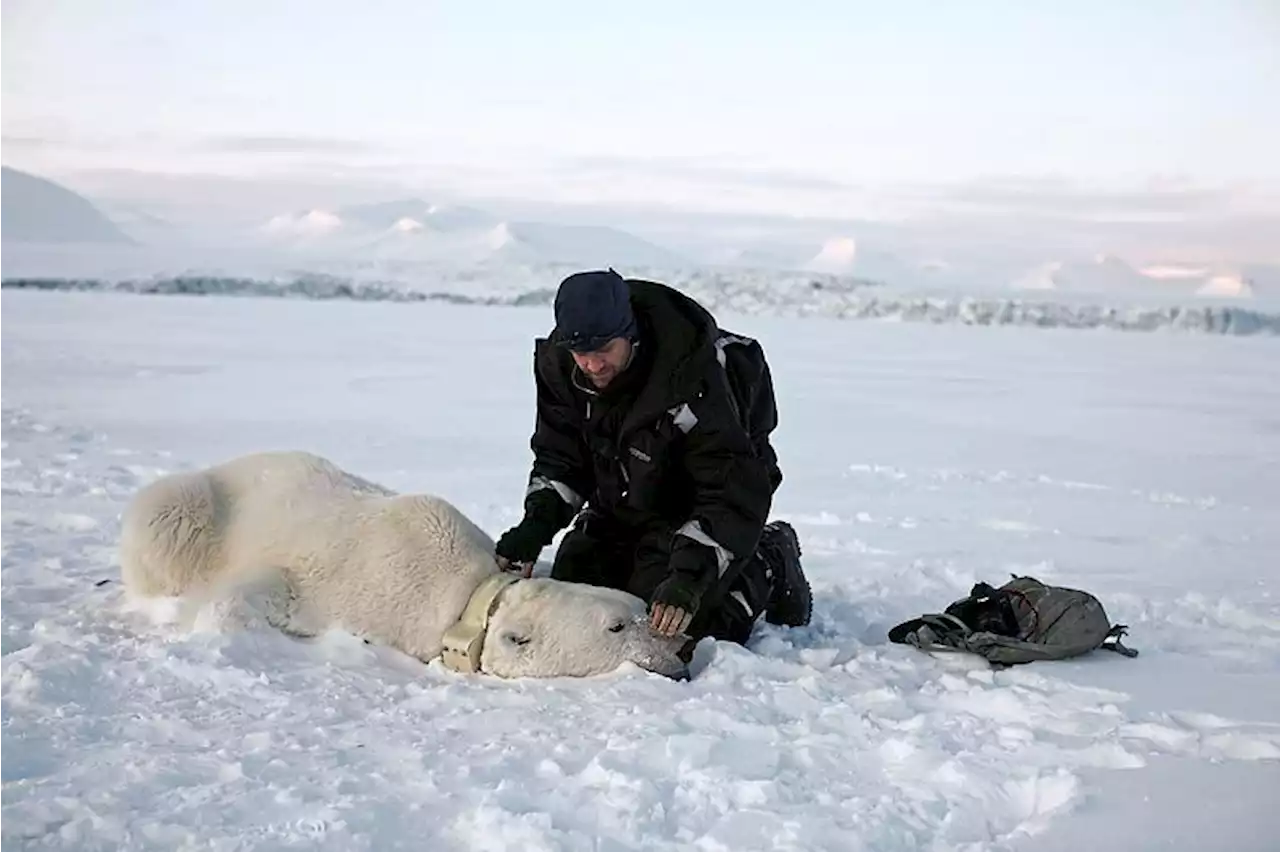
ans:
(1039, 277)
(1228, 285)
(837, 256)
(589, 245)
(407, 213)
(36, 210)
(1106, 274)
(414, 231)
(141, 224)
(846, 255)
(1102, 274)
(305, 225)
(1240, 282)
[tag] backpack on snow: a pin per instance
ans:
(1020, 622)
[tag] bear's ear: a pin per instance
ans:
(515, 638)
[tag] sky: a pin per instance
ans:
(826, 108)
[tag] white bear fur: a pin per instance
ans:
(348, 553)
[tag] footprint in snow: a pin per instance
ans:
(1001, 525)
(70, 522)
(1215, 739)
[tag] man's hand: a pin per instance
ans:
(677, 598)
(525, 568)
(520, 545)
(674, 604)
(668, 620)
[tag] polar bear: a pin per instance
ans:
(409, 571)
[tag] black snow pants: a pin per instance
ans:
(601, 551)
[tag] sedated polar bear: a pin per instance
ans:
(409, 571)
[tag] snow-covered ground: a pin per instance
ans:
(919, 459)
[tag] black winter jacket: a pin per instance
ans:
(680, 439)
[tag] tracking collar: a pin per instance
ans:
(463, 642)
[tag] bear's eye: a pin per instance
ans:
(516, 639)
(617, 628)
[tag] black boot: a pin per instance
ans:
(790, 599)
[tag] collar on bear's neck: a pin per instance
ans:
(463, 642)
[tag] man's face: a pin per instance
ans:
(604, 365)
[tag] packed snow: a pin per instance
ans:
(919, 459)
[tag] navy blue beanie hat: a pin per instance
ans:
(591, 309)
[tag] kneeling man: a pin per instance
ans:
(652, 429)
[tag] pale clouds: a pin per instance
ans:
(288, 144)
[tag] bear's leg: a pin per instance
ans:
(283, 607)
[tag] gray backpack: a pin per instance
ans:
(1020, 622)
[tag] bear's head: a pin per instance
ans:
(551, 628)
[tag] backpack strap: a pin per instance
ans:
(939, 631)
(724, 339)
(1112, 641)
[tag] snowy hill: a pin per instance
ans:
(839, 254)
(144, 226)
(414, 231)
(308, 224)
(846, 255)
(1246, 281)
(589, 245)
(1109, 275)
(1228, 285)
(413, 212)
(36, 210)
(1101, 274)
(899, 266)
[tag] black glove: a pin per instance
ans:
(545, 514)
(523, 542)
